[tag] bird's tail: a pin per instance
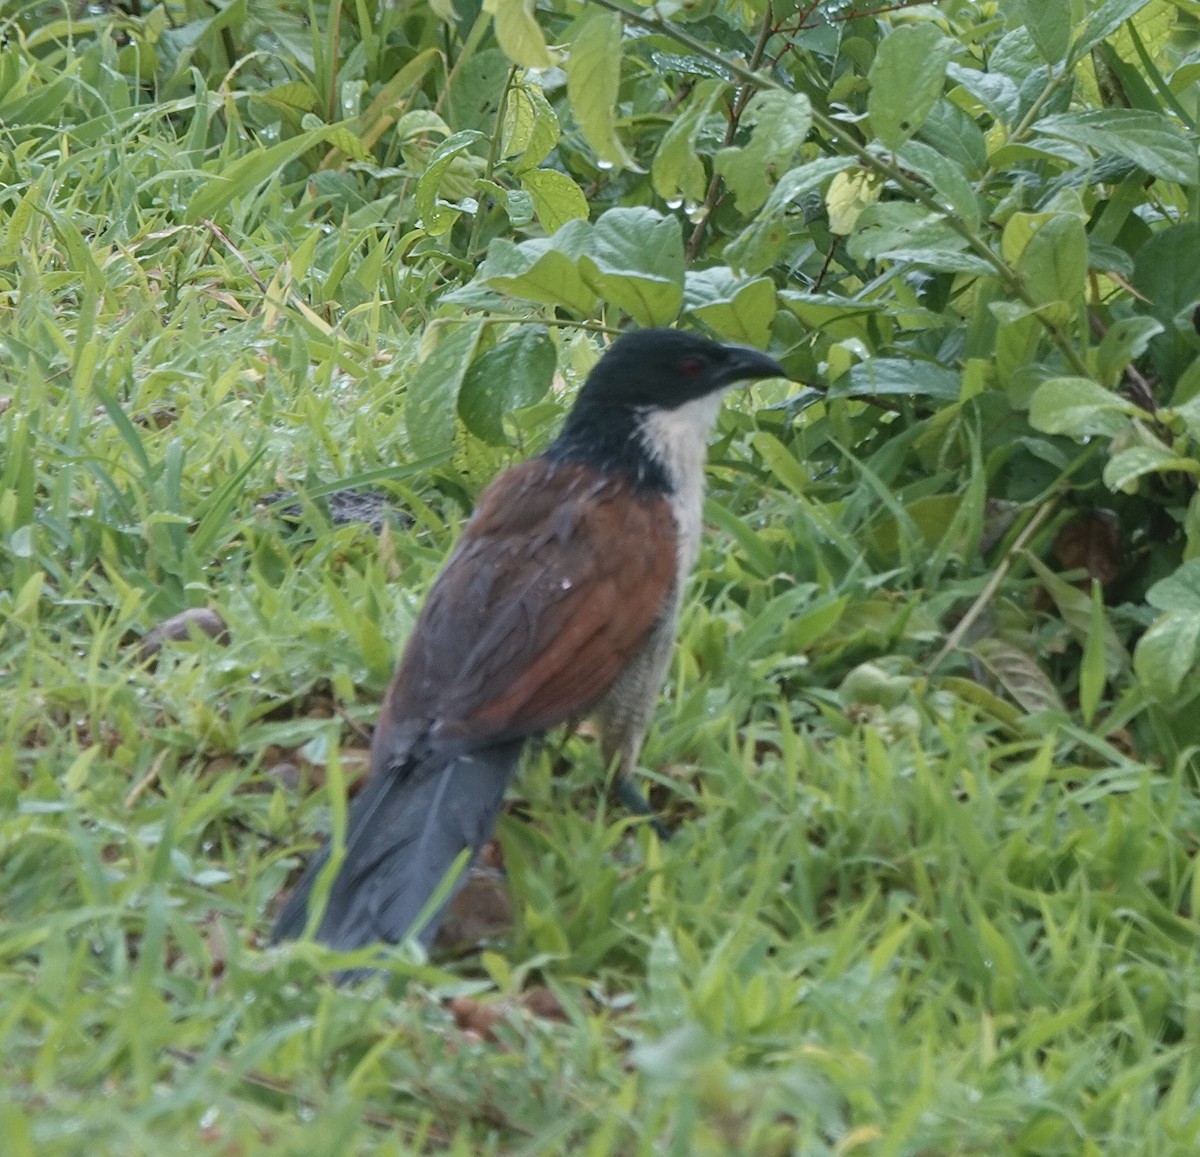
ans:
(405, 831)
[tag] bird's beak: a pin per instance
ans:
(749, 365)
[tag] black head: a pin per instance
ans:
(664, 368)
(644, 371)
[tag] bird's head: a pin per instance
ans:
(649, 404)
(666, 368)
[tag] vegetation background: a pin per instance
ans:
(930, 737)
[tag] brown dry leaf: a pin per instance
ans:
(479, 1019)
(481, 911)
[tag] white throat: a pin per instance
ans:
(678, 440)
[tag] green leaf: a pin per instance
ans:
(530, 128)
(677, 172)
(1053, 266)
(593, 78)
(245, 174)
(518, 34)
(1125, 340)
(1049, 25)
(1179, 591)
(781, 121)
(757, 246)
(1076, 610)
(1123, 470)
(995, 91)
(1091, 669)
(903, 231)
(906, 77)
(850, 192)
(436, 216)
(1079, 408)
(944, 176)
(1167, 273)
(432, 399)
(1104, 19)
(545, 270)
(635, 261)
(1167, 653)
(881, 377)
(516, 373)
(1150, 140)
(556, 198)
(782, 463)
(738, 308)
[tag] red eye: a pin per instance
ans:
(691, 367)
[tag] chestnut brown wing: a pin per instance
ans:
(554, 586)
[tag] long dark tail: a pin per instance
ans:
(404, 832)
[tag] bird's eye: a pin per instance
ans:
(691, 367)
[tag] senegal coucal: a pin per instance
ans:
(560, 599)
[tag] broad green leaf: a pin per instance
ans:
(436, 216)
(956, 137)
(900, 227)
(635, 261)
(1123, 470)
(849, 193)
(1179, 591)
(593, 78)
(1189, 412)
(677, 172)
(738, 308)
(556, 198)
(1167, 273)
(781, 121)
(1079, 408)
(432, 398)
(944, 176)
(1103, 20)
(295, 94)
(1150, 140)
(995, 91)
(518, 34)
(516, 373)
(1167, 653)
(883, 377)
(531, 128)
(1053, 266)
(1049, 24)
(757, 246)
(545, 270)
(906, 76)
(1126, 339)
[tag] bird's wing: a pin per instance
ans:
(555, 584)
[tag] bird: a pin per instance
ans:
(559, 600)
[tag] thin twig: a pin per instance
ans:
(993, 584)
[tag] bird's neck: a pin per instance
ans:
(659, 451)
(610, 441)
(678, 440)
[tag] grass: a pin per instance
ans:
(893, 921)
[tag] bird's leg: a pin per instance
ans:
(636, 802)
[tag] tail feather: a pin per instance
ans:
(405, 830)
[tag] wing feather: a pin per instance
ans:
(556, 583)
